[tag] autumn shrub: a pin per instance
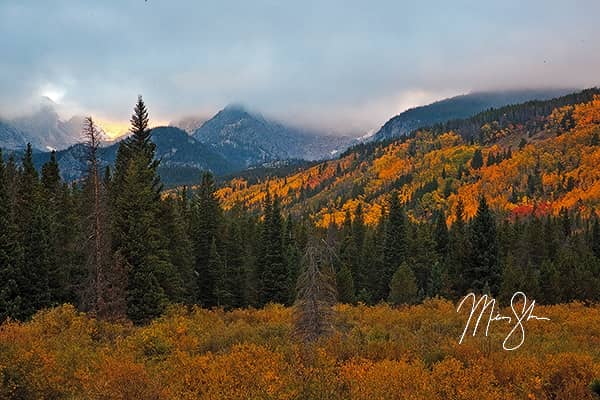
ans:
(376, 352)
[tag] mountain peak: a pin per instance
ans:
(235, 107)
(247, 138)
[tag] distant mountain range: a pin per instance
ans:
(247, 139)
(458, 107)
(235, 139)
(180, 154)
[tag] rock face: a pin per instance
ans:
(246, 139)
(457, 108)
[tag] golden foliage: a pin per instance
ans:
(565, 156)
(377, 352)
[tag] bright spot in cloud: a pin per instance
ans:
(52, 92)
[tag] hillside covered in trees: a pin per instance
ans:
(435, 214)
(536, 157)
(353, 244)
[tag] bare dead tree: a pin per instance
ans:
(105, 291)
(92, 136)
(316, 293)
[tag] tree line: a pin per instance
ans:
(117, 246)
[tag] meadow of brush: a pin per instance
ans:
(375, 352)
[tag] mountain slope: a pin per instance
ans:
(45, 130)
(179, 154)
(537, 158)
(457, 108)
(246, 139)
(11, 138)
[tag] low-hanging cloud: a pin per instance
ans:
(342, 66)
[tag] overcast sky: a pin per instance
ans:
(344, 66)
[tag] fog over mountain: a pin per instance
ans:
(335, 66)
(459, 107)
(190, 123)
(248, 138)
(42, 127)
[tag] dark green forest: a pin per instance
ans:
(115, 245)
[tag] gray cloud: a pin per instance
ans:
(337, 65)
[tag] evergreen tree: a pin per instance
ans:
(68, 265)
(522, 143)
(349, 254)
(33, 221)
(12, 177)
(595, 236)
(206, 217)
(183, 287)
(10, 255)
(136, 231)
(512, 280)
(550, 283)
(565, 221)
(477, 160)
(441, 234)
(273, 271)
(403, 286)
(483, 269)
(395, 244)
(458, 252)
(293, 256)
(369, 274)
(437, 283)
(38, 263)
(235, 265)
(345, 285)
(358, 227)
(28, 194)
(51, 177)
(62, 225)
(422, 255)
(222, 288)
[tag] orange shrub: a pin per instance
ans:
(376, 352)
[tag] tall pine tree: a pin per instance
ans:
(11, 256)
(32, 219)
(206, 220)
(484, 268)
(273, 272)
(136, 232)
(395, 244)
